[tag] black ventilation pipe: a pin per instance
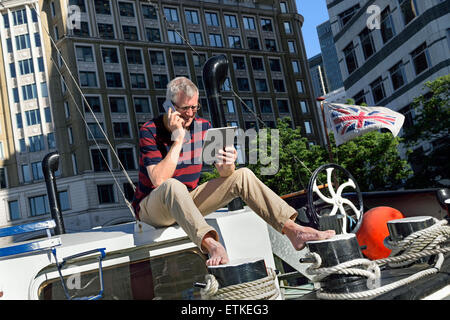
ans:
(49, 166)
(215, 72)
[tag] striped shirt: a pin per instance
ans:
(154, 144)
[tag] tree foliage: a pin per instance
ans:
(431, 124)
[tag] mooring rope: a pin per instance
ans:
(261, 289)
(419, 244)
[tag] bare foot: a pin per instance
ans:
(298, 234)
(217, 253)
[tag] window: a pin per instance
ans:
(421, 59)
(235, 42)
(243, 84)
(266, 106)
(64, 200)
(271, 45)
(44, 90)
(200, 83)
(134, 56)
(179, 59)
(345, 16)
(141, 105)
(215, 40)
(386, 25)
(257, 64)
(100, 159)
(26, 66)
(94, 130)
(29, 92)
(12, 70)
(102, 7)
(94, 103)
(3, 183)
(47, 115)
(308, 127)
(117, 105)
(195, 38)
(275, 65)
(304, 106)
(22, 145)
(278, 85)
(230, 105)
(409, 10)
(88, 79)
(266, 24)
(211, 19)
(126, 158)
(226, 85)
(5, 20)
(283, 106)
(283, 7)
(247, 106)
(22, 42)
(56, 31)
(295, 66)
(84, 54)
(191, 17)
(199, 60)
(171, 14)
(249, 23)
(350, 58)
(126, 9)
(106, 30)
(367, 43)
(105, 193)
(16, 95)
(157, 58)
(19, 120)
(41, 64)
(37, 39)
(52, 7)
(253, 43)
(32, 117)
(83, 31)
(51, 140)
(291, 46)
(397, 75)
(14, 211)
(36, 143)
(138, 81)
(287, 27)
(36, 168)
(2, 157)
(239, 63)
(261, 85)
(231, 21)
(121, 130)
(299, 84)
(39, 205)
(174, 37)
(26, 173)
(378, 92)
(360, 98)
(160, 81)
(149, 12)
(153, 34)
(19, 17)
(130, 33)
(113, 79)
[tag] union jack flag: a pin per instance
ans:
(350, 121)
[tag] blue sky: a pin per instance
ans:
(315, 12)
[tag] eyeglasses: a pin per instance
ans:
(184, 109)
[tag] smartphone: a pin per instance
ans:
(168, 105)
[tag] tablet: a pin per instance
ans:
(215, 139)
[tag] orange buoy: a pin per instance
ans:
(374, 230)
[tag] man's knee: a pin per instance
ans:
(173, 185)
(244, 172)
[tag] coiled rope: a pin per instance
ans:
(419, 244)
(261, 289)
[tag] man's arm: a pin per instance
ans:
(158, 173)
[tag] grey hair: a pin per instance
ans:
(180, 84)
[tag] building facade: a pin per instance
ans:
(318, 76)
(121, 55)
(386, 61)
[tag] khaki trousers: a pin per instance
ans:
(171, 203)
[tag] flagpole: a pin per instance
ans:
(321, 100)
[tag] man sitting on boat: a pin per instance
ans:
(168, 190)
